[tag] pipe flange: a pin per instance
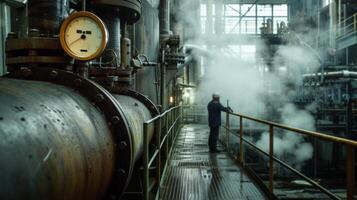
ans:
(140, 97)
(102, 99)
(128, 10)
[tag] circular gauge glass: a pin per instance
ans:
(83, 36)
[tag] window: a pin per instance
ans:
(281, 10)
(248, 9)
(247, 18)
(264, 10)
(232, 10)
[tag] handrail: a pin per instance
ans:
(351, 145)
(170, 121)
(343, 29)
(347, 26)
(322, 136)
(330, 194)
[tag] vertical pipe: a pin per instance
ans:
(271, 164)
(83, 5)
(163, 80)
(164, 14)
(350, 172)
(339, 15)
(48, 22)
(146, 162)
(158, 159)
(241, 155)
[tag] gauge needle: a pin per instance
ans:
(70, 44)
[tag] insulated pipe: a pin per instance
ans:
(332, 75)
(56, 145)
(189, 48)
(188, 60)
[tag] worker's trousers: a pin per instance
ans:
(213, 137)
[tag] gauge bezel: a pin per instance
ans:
(101, 25)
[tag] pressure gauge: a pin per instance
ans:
(83, 36)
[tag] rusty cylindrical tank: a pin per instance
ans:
(54, 143)
(58, 143)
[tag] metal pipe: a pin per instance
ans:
(84, 5)
(136, 114)
(333, 75)
(112, 52)
(145, 163)
(55, 144)
(164, 14)
(188, 60)
(48, 22)
(187, 85)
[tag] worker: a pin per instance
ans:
(214, 108)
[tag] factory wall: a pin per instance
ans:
(147, 43)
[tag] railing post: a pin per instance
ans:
(271, 164)
(167, 136)
(350, 172)
(146, 163)
(181, 120)
(227, 130)
(158, 159)
(170, 127)
(241, 149)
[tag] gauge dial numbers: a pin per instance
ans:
(83, 36)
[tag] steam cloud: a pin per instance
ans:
(254, 90)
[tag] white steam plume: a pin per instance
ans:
(254, 90)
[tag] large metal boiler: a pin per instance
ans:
(63, 136)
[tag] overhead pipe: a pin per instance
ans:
(191, 50)
(332, 75)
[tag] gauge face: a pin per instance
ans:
(83, 36)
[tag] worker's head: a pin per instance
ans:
(215, 96)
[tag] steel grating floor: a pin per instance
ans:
(194, 173)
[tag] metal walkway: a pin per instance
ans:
(194, 173)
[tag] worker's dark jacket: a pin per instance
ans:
(214, 113)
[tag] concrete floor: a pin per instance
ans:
(194, 173)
